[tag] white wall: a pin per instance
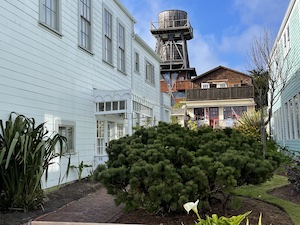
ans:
(47, 76)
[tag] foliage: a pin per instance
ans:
(192, 124)
(80, 169)
(161, 167)
(293, 173)
(261, 87)
(214, 219)
(25, 154)
(270, 70)
(249, 124)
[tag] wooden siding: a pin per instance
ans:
(220, 93)
(292, 20)
(47, 76)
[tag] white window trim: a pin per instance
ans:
(205, 85)
(67, 123)
(151, 79)
(58, 18)
(90, 21)
(294, 118)
(121, 49)
(107, 59)
(137, 62)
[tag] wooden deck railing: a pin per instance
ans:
(220, 93)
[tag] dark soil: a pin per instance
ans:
(71, 192)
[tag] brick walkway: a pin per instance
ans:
(98, 207)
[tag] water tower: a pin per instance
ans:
(172, 31)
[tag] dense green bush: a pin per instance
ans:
(160, 168)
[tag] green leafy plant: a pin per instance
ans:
(160, 168)
(25, 155)
(80, 169)
(249, 124)
(214, 219)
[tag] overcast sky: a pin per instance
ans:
(223, 29)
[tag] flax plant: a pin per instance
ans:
(26, 151)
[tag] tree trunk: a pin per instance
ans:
(263, 136)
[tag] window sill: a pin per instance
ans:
(149, 83)
(108, 63)
(122, 72)
(45, 26)
(85, 50)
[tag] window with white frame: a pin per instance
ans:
(67, 129)
(111, 106)
(120, 130)
(107, 55)
(287, 120)
(143, 114)
(50, 14)
(136, 62)
(291, 120)
(204, 85)
(277, 129)
(100, 138)
(221, 85)
(121, 49)
(150, 73)
(85, 37)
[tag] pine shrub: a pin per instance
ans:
(162, 167)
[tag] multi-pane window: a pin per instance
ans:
(121, 50)
(100, 138)
(49, 14)
(85, 24)
(204, 85)
(233, 112)
(291, 115)
(150, 73)
(110, 106)
(107, 37)
(68, 132)
(136, 62)
(287, 120)
(120, 130)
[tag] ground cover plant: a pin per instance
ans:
(160, 168)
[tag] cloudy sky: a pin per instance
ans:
(223, 29)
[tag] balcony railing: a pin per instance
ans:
(220, 93)
(179, 85)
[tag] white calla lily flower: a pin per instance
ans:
(191, 206)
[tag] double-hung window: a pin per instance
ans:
(68, 132)
(50, 14)
(85, 25)
(107, 37)
(150, 73)
(121, 50)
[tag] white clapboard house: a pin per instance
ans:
(79, 66)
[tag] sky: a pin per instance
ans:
(223, 29)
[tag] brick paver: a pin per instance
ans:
(98, 207)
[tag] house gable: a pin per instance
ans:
(222, 74)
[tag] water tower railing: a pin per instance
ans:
(170, 24)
